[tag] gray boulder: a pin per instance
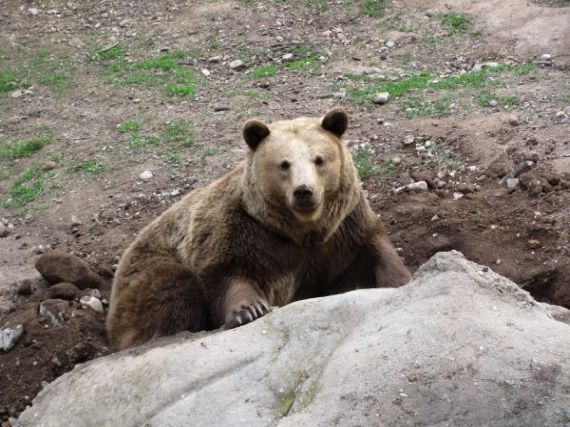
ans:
(460, 345)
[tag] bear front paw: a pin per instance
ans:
(246, 313)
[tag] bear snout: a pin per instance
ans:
(304, 197)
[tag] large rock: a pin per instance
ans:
(460, 345)
(56, 267)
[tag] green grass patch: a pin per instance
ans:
(25, 148)
(373, 8)
(137, 142)
(455, 23)
(311, 63)
(446, 158)
(523, 69)
(264, 71)
(87, 167)
(163, 71)
(363, 162)
(178, 132)
(10, 80)
(414, 106)
(113, 52)
(130, 126)
(487, 99)
(40, 69)
(27, 187)
(211, 151)
(426, 80)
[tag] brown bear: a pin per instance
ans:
(290, 222)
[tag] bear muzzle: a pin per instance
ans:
(305, 199)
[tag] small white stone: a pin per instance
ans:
(409, 139)
(390, 44)
(457, 196)
(237, 65)
(381, 98)
(146, 175)
(513, 183)
(288, 57)
(205, 72)
(33, 11)
(418, 186)
(92, 302)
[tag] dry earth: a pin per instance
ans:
(94, 93)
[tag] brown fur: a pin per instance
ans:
(226, 252)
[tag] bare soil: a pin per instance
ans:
(522, 233)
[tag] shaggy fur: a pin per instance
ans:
(289, 223)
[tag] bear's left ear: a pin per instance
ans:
(254, 132)
(336, 121)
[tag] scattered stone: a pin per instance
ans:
(64, 290)
(79, 352)
(381, 98)
(288, 57)
(534, 244)
(16, 94)
(57, 266)
(3, 230)
(457, 196)
(414, 186)
(215, 59)
(9, 337)
(33, 11)
(92, 302)
(513, 121)
(545, 59)
(24, 287)
(146, 175)
(205, 72)
(409, 139)
(499, 167)
(518, 170)
(396, 160)
(512, 183)
(53, 311)
(390, 44)
(535, 184)
(552, 177)
(221, 107)
(465, 188)
(75, 221)
(418, 186)
(49, 165)
(7, 307)
(123, 23)
(493, 103)
(429, 13)
(237, 65)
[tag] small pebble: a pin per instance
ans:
(146, 175)
(381, 98)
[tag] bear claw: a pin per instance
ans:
(248, 314)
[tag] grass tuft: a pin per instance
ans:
(373, 8)
(20, 149)
(455, 23)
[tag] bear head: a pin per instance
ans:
(300, 170)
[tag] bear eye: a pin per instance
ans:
(285, 165)
(319, 161)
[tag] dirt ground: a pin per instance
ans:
(92, 94)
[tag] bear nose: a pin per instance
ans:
(303, 193)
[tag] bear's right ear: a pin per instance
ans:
(336, 121)
(254, 132)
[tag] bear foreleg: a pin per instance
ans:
(241, 303)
